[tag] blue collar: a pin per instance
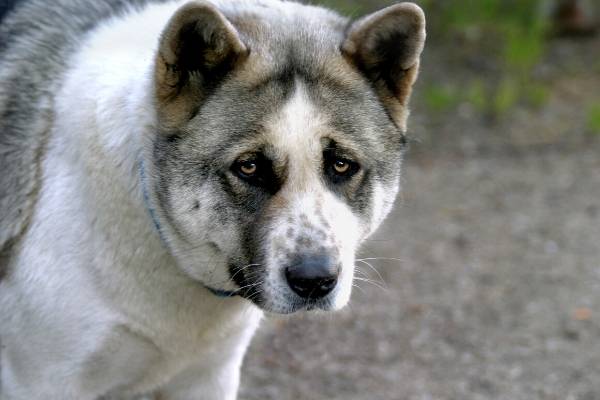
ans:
(152, 213)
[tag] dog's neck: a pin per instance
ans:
(152, 213)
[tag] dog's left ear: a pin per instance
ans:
(385, 46)
(197, 50)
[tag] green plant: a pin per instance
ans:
(440, 98)
(510, 34)
(523, 48)
(506, 96)
(476, 95)
(536, 94)
(593, 118)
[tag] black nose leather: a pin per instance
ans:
(312, 276)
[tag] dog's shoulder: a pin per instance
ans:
(36, 41)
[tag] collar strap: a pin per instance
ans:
(221, 292)
(152, 212)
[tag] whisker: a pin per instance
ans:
(243, 268)
(250, 285)
(254, 295)
(381, 258)
(376, 271)
(374, 283)
(359, 288)
(360, 272)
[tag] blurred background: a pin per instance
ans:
(485, 281)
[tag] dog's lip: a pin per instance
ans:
(323, 305)
(294, 307)
(291, 307)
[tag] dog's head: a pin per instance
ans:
(281, 129)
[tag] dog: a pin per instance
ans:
(171, 170)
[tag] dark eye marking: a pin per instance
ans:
(257, 171)
(338, 168)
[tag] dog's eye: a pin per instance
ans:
(256, 170)
(341, 166)
(247, 168)
(340, 169)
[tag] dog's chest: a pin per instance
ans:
(130, 361)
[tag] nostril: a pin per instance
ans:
(327, 284)
(311, 276)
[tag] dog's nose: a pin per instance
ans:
(312, 276)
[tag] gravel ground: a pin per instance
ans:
(490, 274)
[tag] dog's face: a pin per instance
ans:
(280, 145)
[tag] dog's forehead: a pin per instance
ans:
(289, 101)
(281, 114)
(294, 132)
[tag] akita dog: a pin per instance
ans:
(169, 170)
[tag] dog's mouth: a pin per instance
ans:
(276, 299)
(292, 306)
(315, 305)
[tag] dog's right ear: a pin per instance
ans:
(198, 48)
(385, 46)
